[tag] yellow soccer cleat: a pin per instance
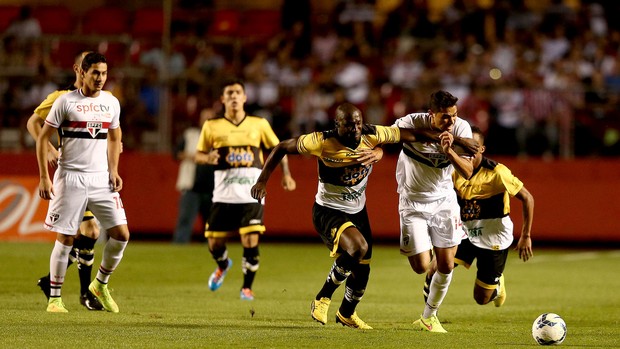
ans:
(101, 292)
(354, 321)
(319, 308)
(55, 305)
(431, 324)
(501, 292)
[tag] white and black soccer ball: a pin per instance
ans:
(549, 329)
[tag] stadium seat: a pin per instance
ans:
(116, 53)
(225, 23)
(63, 52)
(7, 14)
(148, 22)
(55, 19)
(259, 24)
(106, 20)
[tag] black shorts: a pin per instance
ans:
(330, 224)
(225, 219)
(490, 263)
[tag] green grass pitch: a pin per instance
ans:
(164, 301)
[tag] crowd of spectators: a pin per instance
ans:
(540, 82)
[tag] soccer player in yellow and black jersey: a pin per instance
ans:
(339, 212)
(83, 251)
(234, 144)
(485, 211)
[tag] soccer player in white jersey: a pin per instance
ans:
(87, 122)
(83, 252)
(339, 212)
(428, 208)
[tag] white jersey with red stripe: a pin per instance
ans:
(423, 171)
(83, 124)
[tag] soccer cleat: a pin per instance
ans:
(431, 324)
(44, 285)
(501, 293)
(90, 301)
(319, 308)
(55, 305)
(354, 321)
(101, 292)
(217, 277)
(246, 294)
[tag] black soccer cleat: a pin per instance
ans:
(44, 285)
(89, 301)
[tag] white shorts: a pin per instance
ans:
(427, 224)
(76, 190)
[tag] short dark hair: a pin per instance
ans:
(232, 81)
(441, 100)
(79, 55)
(92, 58)
(344, 110)
(476, 130)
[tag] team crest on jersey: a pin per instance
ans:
(53, 217)
(94, 128)
(471, 210)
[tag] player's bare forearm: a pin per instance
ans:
(468, 144)
(288, 183)
(114, 149)
(45, 184)
(289, 146)
(463, 165)
(524, 246)
(411, 135)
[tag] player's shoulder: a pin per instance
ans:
(368, 129)
(489, 164)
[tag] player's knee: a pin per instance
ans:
(418, 266)
(357, 250)
(90, 228)
(482, 296)
(250, 260)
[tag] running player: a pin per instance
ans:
(485, 210)
(339, 212)
(428, 208)
(233, 144)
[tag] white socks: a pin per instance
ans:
(58, 267)
(438, 290)
(112, 255)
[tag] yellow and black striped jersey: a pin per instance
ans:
(342, 177)
(241, 157)
(485, 203)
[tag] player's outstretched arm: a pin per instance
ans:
(524, 246)
(468, 144)
(289, 146)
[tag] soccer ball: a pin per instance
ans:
(549, 329)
